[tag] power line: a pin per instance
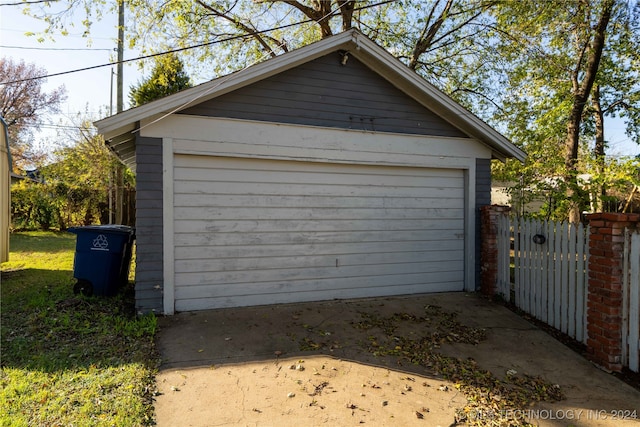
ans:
(68, 35)
(153, 55)
(240, 36)
(200, 95)
(21, 3)
(56, 48)
(59, 127)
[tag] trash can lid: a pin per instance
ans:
(109, 228)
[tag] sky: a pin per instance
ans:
(91, 91)
(87, 91)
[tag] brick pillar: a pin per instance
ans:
(489, 247)
(604, 298)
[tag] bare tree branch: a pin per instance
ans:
(346, 10)
(321, 13)
(260, 38)
(428, 33)
(21, 3)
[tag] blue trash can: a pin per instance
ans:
(102, 258)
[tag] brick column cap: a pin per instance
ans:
(614, 216)
(495, 208)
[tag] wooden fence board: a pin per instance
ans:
(564, 282)
(557, 294)
(571, 291)
(634, 303)
(581, 283)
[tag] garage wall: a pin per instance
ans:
(483, 198)
(5, 192)
(149, 266)
(317, 114)
(252, 231)
(191, 137)
(325, 93)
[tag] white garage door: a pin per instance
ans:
(251, 232)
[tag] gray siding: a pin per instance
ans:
(325, 93)
(483, 198)
(149, 269)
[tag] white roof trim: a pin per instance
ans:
(362, 48)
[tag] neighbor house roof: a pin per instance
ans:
(118, 129)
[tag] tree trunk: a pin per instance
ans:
(581, 91)
(599, 149)
(428, 33)
(346, 10)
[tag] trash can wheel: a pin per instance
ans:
(83, 287)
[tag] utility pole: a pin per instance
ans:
(111, 94)
(120, 104)
(119, 107)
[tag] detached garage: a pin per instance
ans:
(332, 171)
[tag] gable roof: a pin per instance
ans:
(117, 129)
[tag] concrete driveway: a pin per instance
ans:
(381, 362)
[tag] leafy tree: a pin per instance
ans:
(23, 105)
(558, 55)
(75, 187)
(240, 33)
(583, 77)
(616, 90)
(168, 76)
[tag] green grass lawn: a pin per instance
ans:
(66, 359)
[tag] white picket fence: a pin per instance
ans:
(543, 270)
(631, 302)
(548, 277)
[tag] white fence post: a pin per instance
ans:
(631, 302)
(504, 257)
(581, 284)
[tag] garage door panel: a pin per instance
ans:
(238, 163)
(293, 231)
(426, 282)
(271, 213)
(203, 187)
(201, 227)
(329, 260)
(233, 177)
(315, 272)
(333, 237)
(231, 252)
(304, 201)
(202, 303)
(199, 232)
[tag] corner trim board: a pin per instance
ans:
(167, 227)
(470, 228)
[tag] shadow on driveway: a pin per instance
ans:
(384, 361)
